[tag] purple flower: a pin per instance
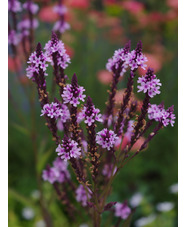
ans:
(61, 26)
(57, 173)
(149, 83)
(60, 9)
(158, 113)
(50, 174)
(55, 110)
(14, 6)
(26, 24)
(57, 46)
(73, 94)
(106, 138)
(118, 58)
(37, 63)
(90, 115)
(13, 38)
(61, 167)
(124, 59)
(31, 7)
(82, 195)
(68, 149)
(122, 210)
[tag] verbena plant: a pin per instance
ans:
(95, 157)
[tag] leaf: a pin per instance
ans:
(22, 199)
(21, 129)
(42, 160)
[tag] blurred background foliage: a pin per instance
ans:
(97, 29)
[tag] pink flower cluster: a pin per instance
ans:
(82, 195)
(57, 173)
(37, 63)
(30, 6)
(158, 113)
(125, 59)
(13, 38)
(52, 47)
(60, 9)
(14, 6)
(90, 115)
(68, 149)
(122, 210)
(149, 83)
(106, 138)
(61, 25)
(55, 110)
(73, 95)
(26, 24)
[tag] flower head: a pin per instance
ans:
(149, 83)
(37, 61)
(14, 6)
(57, 173)
(119, 59)
(73, 93)
(61, 26)
(82, 195)
(90, 113)
(26, 24)
(31, 7)
(60, 9)
(50, 174)
(106, 138)
(122, 210)
(68, 149)
(56, 110)
(158, 113)
(13, 38)
(123, 58)
(56, 46)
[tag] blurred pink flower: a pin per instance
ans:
(104, 76)
(126, 141)
(172, 3)
(47, 14)
(80, 4)
(133, 6)
(119, 98)
(156, 17)
(152, 62)
(69, 50)
(13, 64)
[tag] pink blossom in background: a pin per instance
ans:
(119, 99)
(12, 65)
(69, 51)
(171, 15)
(133, 7)
(172, 3)
(104, 76)
(47, 14)
(152, 62)
(80, 4)
(156, 17)
(126, 140)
